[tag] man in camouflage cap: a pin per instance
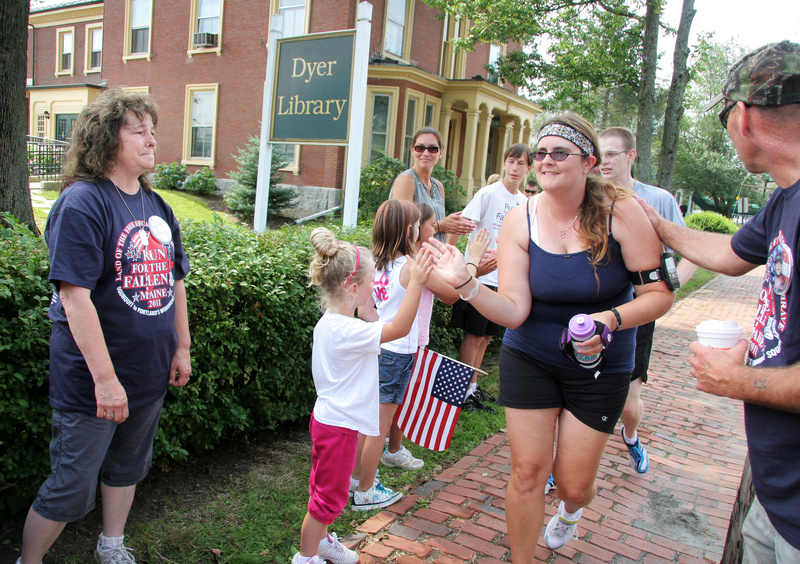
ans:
(761, 113)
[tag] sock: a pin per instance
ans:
(628, 440)
(570, 516)
(111, 541)
(470, 390)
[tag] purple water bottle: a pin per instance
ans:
(582, 328)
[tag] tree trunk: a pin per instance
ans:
(644, 123)
(733, 544)
(674, 111)
(15, 196)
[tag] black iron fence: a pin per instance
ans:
(45, 157)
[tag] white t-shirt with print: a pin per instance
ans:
(488, 209)
(344, 363)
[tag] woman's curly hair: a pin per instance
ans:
(94, 142)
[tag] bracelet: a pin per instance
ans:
(472, 293)
(473, 264)
(435, 227)
(619, 318)
(464, 284)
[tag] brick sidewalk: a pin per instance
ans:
(677, 512)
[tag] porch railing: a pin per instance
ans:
(45, 157)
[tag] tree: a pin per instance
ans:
(241, 199)
(677, 90)
(15, 195)
(647, 92)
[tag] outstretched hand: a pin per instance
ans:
(423, 267)
(454, 223)
(478, 245)
(449, 262)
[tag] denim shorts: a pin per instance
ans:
(83, 446)
(394, 373)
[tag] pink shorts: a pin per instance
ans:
(333, 457)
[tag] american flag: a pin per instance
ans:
(433, 399)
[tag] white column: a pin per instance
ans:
(265, 147)
(358, 101)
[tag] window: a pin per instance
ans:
(41, 124)
(379, 126)
(294, 17)
(139, 14)
(411, 113)
(199, 142)
(94, 48)
(495, 52)
(429, 109)
(66, 42)
(394, 32)
(289, 154)
(208, 16)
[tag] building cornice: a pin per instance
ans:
(66, 16)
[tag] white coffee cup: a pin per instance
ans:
(718, 334)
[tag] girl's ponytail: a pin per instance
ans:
(334, 263)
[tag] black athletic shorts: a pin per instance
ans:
(466, 317)
(526, 383)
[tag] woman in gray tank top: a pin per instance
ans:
(417, 185)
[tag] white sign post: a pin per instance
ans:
(358, 103)
(265, 147)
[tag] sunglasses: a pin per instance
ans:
(723, 115)
(557, 156)
(432, 149)
(530, 191)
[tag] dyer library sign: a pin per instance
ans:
(313, 89)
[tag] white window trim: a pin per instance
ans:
(391, 130)
(60, 32)
(187, 158)
(407, 33)
(127, 55)
(87, 60)
(194, 10)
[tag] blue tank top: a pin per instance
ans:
(565, 285)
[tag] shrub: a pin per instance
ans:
(24, 348)
(241, 199)
(202, 182)
(251, 315)
(170, 176)
(377, 179)
(711, 221)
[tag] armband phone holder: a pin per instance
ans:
(669, 271)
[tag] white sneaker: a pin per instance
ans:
(335, 552)
(313, 560)
(550, 485)
(560, 531)
(354, 483)
(113, 555)
(401, 459)
(375, 497)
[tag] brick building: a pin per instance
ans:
(204, 62)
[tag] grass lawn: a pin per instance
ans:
(184, 205)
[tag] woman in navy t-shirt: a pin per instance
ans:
(120, 333)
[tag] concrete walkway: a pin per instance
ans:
(677, 512)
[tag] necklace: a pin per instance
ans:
(563, 231)
(144, 234)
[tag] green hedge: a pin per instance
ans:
(251, 315)
(711, 221)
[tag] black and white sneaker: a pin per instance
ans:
(485, 396)
(473, 403)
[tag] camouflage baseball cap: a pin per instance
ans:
(768, 76)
